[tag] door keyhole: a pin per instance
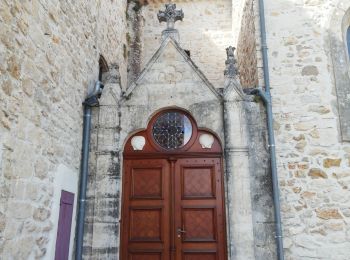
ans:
(180, 231)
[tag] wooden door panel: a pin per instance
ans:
(146, 183)
(198, 182)
(199, 210)
(199, 224)
(145, 226)
(160, 197)
(199, 256)
(145, 256)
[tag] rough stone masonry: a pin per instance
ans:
(49, 58)
(49, 55)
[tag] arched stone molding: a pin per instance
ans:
(340, 21)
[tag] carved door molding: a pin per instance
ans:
(173, 199)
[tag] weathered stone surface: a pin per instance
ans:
(316, 173)
(299, 137)
(41, 169)
(41, 214)
(2, 222)
(310, 93)
(20, 210)
(301, 145)
(328, 162)
(328, 214)
(319, 109)
(304, 126)
(246, 46)
(308, 195)
(46, 70)
(206, 45)
(310, 70)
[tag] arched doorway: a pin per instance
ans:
(173, 192)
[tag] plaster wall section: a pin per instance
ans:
(206, 32)
(49, 53)
(313, 162)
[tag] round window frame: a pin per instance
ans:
(185, 147)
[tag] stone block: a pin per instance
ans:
(316, 173)
(41, 168)
(20, 210)
(41, 214)
(107, 210)
(105, 235)
(328, 214)
(108, 117)
(328, 163)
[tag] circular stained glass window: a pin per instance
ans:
(172, 130)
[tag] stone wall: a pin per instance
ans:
(313, 164)
(206, 32)
(247, 48)
(49, 53)
(101, 231)
(237, 13)
(134, 39)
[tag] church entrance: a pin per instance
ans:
(173, 195)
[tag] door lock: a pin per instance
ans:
(180, 231)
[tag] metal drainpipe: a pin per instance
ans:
(266, 97)
(90, 101)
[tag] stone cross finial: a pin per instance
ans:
(170, 15)
(231, 70)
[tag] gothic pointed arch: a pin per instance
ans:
(103, 67)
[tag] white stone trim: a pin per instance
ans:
(138, 142)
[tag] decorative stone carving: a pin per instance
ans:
(170, 16)
(112, 76)
(231, 70)
(138, 143)
(206, 141)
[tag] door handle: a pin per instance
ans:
(179, 231)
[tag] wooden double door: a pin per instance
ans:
(173, 208)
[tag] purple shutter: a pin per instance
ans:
(64, 225)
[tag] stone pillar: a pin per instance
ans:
(239, 201)
(101, 240)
